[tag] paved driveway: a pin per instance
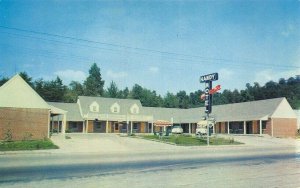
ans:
(107, 143)
(112, 143)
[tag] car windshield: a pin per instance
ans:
(176, 126)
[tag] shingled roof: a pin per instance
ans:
(73, 112)
(246, 111)
(106, 103)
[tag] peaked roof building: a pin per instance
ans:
(18, 94)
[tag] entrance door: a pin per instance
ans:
(248, 127)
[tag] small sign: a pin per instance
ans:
(209, 77)
(215, 89)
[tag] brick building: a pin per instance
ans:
(23, 113)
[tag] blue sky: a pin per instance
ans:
(161, 45)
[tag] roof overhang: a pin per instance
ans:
(57, 111)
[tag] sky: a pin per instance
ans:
(161, 45)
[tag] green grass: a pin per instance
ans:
(27, 145)
(183, 140)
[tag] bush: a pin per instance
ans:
(67, 131)
(7, 135)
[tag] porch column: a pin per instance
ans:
(63, 126)
(214, 129)
(245, 127)
(87, 126)
(106, 125)
(190, 130)
(152, 126)
(228, 127)
(130, 127)
(58, 124)
(260, 127)
(83, 127)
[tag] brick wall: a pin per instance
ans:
(23, 121)
(284, 127)
(268, 129)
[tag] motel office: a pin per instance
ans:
(24, 111)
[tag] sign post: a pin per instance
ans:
(207, 79)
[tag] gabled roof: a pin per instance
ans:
(106, 103)
(72, 109)
(246, 111)
(17, 93)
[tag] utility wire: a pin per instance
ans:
(204, 59)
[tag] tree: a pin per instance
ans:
(74, 90)
(94, 84)
(112, 90)
(27, 78)
(171, 101)
(3, 80)
(183, 99)
(195, 100)
(124, 94)
(52, 91)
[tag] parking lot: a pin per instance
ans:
(113, 143)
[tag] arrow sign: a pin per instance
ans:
(215, 89)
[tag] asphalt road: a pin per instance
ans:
(67, 168)
(111, 161)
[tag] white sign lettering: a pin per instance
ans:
(209, 77)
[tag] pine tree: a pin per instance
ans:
(94, 83)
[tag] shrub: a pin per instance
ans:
(67, 137)
(7, 135)
(67, 131)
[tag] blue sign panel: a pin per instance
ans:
(209, 77)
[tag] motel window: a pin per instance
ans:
(115, 108)
(264, 124)
(135, 125)
(73, 125)
(116, 126)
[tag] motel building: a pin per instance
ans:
(23, 111)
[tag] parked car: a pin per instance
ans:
(201, 130)
(202, 127)
(177, 129)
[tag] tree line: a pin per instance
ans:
(93, 85)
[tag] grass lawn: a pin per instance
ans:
(27, 145)
(184, 140)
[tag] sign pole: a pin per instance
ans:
(207, 117)
(207, 79)
(208, 101)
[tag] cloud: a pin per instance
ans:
(70, 75)
(116, 75)
(154, 69)
(225, 74)
(288, 30)
(267, 75)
